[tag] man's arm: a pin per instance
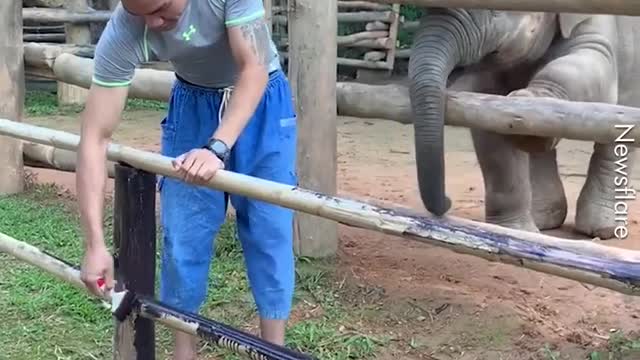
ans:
(250, 45)
(99, 119)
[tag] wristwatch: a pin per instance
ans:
(219, 149)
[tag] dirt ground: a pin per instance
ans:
(455, 306)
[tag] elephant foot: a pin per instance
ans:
(602, 208)
(507, 210)
(595, 219)
(595, 215)
(549, 201)
(549, 214)
(524, 222)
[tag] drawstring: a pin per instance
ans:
(225, 99)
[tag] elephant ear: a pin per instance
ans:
(568, 21)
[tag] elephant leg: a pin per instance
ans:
(603, 200)
(549, 201)
(582, 69)
(505, 170)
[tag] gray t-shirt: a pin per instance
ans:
(198, 46)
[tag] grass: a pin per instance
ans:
(43, 318)
(40, 103)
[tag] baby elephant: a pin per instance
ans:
(579, 57)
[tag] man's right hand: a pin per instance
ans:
(97, 264)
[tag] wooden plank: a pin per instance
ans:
(313, 29)
(613, 7)
(580, 260)
(393, 35)
(134, 240)
(12, 88)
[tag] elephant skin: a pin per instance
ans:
(579, 57)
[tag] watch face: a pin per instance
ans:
(219, 147)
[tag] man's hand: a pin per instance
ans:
(197, 166)
(97, 264)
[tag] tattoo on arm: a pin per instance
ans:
(257, 35)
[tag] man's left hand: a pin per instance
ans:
(197, 166)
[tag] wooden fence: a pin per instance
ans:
(135, 171)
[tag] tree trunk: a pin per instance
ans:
(11, 94)
(313, 29)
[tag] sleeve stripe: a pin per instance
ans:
(111, 84)
(246, 18)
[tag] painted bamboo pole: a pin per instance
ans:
(583, 261)
(216, 333)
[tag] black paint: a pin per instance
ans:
(626, 272)
(220, 334)
(134, 224)
(126, 306)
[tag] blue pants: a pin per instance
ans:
(192, 215)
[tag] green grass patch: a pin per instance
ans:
(41, 103)
(44, 318)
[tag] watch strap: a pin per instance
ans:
(219, 148)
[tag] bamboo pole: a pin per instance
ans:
(580, 260)
(348, 17)
(216, 333)
(587, 121)
(49, 157)
(363, 5)
(612, 7)
(64, 15)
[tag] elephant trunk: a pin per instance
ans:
(448, 38)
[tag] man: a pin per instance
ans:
(218, 48)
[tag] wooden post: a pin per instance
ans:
(268, 12)
(313, 29)
(11, 94)
(77, 34)
(134, 238)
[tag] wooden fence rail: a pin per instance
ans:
(586, 121)
(580, 260)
